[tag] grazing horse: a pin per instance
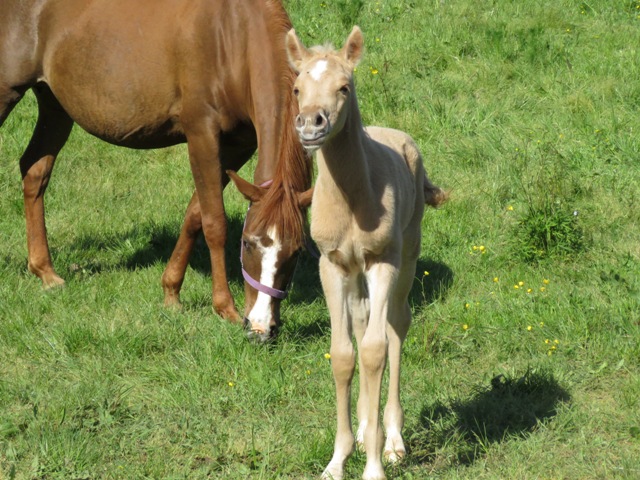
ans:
(366, 211)
(154, 73)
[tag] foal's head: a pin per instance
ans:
(324, 87)
(271, 241)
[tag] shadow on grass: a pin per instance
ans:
(461, 432)
(151, 243)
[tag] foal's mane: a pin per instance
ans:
(294, 169)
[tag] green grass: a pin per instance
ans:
(527, 111)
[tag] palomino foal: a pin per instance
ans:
(366, 211)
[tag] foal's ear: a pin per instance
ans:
(304, 198)
(251, 192)
(353, 47)
(296, 51)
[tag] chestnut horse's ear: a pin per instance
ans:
(353, 47)
(251, 192)
(304, 198)
(296, 51)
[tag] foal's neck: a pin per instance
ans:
(344, 163)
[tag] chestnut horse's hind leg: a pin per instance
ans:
(51, 132)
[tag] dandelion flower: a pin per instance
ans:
(466, 305)
(529, 328)
(426, 273)
(495, 279)
(547, 341)
(510, 208)
(529, 290)
(374, 71)
(465, 327)
(516, 286)
(521, 283)
(545, 281)
(231, 384)
(327, 356)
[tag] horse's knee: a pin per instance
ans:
(343, 362)
(373, 353)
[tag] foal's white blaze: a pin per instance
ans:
(318, 69)
(260, 315)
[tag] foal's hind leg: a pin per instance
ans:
(51, 132)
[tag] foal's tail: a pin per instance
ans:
(434, 195)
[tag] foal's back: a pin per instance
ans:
(393, 157)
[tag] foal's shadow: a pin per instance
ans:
(507, 408)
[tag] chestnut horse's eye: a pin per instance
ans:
(246, 244)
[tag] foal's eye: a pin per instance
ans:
(344, 90)
(296, 91)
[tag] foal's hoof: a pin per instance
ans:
(394, 456)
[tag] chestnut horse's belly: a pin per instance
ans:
(117, 71)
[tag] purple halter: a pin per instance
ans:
(272, 292)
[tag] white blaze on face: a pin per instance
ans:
(318, 69)
(260, 315)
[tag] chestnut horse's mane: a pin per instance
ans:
(294, 169)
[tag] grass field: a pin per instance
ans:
(523, 361)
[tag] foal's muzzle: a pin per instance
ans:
(312, 128)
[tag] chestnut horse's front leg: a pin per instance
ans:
(51, 133)
(204, 155)
(173, 275)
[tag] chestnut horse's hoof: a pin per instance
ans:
(52, 281)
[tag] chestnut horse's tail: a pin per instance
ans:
(434, 195)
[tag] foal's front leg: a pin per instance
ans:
(335, 284)
(381, 282)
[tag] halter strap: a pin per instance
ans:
(272, 292)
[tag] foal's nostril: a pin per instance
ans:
(299, 121)
(321, 120)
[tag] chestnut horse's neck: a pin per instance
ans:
(292, 170)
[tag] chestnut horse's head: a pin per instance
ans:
(324, 87)
(272, 237)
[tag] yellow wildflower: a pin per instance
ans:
(529, 328)
(327, 356)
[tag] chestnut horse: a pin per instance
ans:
(154, 73)
(366, 215)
